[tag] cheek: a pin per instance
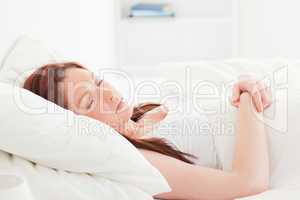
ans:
(108, 119)
(103, 113)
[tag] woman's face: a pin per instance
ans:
(95, 98)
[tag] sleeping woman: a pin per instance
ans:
(74, 87)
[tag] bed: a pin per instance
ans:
(59, 184)
(285, 177)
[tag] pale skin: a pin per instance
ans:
(250, 172)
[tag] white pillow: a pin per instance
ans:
(47, 134)
(25, 55)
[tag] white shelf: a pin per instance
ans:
(201, 30)
(169, 20)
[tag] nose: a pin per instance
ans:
(109, 95)
(115, 99)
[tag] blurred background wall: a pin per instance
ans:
(81, 30)
(269, 29)
(99, 33)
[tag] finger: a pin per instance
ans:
(264, 95)
(236, 92)
(235, 103)
(251, 87)
(256, 97)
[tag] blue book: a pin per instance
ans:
(138, 13)
(151, 10)
(150, 6)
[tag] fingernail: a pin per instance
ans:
(261, 108)
(235, 98)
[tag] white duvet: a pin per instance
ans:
(282, 118)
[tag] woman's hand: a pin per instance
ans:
(260, 93)
(151, 118)
(146, 123)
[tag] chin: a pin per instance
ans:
(126, 113)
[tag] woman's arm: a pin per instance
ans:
(251, 150)
(250, 166)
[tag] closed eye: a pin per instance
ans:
(99, 82)
(87, 101)
(90, 104)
